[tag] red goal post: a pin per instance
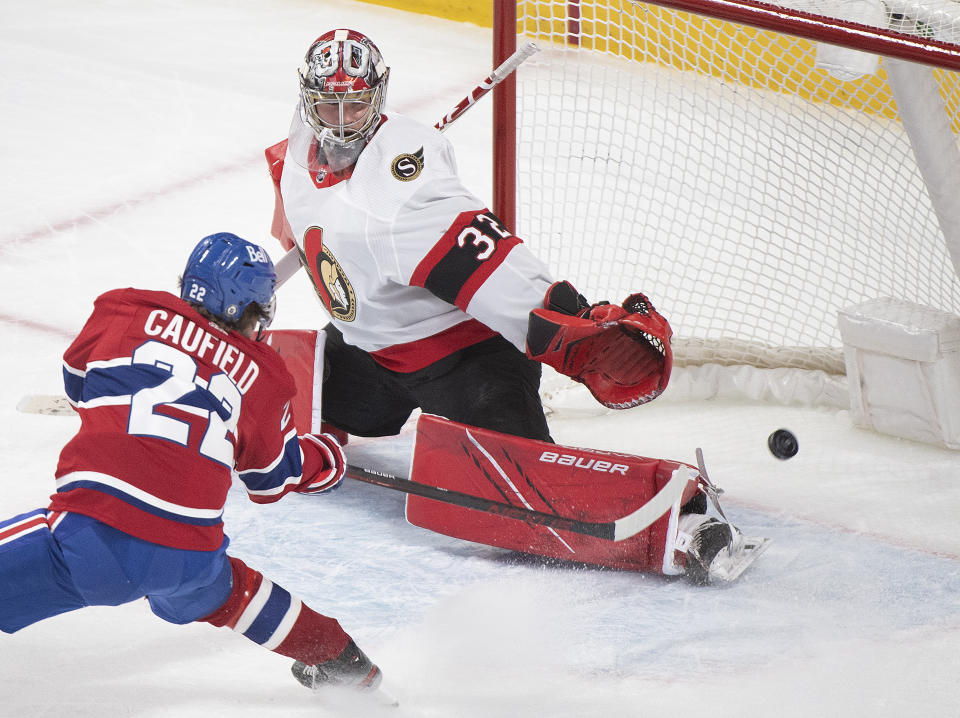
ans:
(755, 168)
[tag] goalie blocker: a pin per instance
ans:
(620, 353)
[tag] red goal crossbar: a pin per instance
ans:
(764, 16)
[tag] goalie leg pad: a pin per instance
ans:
(578, 483)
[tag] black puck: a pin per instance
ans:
(783, 444)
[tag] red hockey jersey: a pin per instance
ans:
(171, 406)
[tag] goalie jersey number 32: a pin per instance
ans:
(465, 256)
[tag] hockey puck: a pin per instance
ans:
(783, 444)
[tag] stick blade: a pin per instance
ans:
(47, 404)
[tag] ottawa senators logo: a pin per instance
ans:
(332, 285)
(407, 167)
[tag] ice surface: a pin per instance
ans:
(132, 129)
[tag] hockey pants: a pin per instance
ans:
(82, 562)
(51, 563)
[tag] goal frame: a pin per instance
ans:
(940, 176)
(716, 364)
(760, 15)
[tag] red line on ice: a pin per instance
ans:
(96, 215)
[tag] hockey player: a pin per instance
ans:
(174, 394)
(434, 302)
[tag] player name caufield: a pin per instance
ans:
(184, 333)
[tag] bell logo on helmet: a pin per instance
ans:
(257, 254)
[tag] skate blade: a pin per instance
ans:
(732, 561)
(348, 702)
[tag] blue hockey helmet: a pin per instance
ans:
(225, 274)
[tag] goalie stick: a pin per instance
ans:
(726, 567)
(289, 263)
(503, 71)
(616, 530)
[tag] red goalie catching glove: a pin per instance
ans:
(621, 353)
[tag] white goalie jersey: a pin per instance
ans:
(410, 265)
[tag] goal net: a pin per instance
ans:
(753, 168)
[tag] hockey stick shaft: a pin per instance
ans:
(502, 72)
(477, 503)
(289, 263)
(617, 530)
(287, 266)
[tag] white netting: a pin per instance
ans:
(716, 168)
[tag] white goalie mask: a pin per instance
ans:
(343, 85)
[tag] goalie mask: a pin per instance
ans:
(343, 85)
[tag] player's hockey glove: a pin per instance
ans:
(324, 464)
(621, 353)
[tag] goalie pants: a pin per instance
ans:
(82, 562)
(491, 385)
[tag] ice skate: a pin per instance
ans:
(351, 668)
(719, 552)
